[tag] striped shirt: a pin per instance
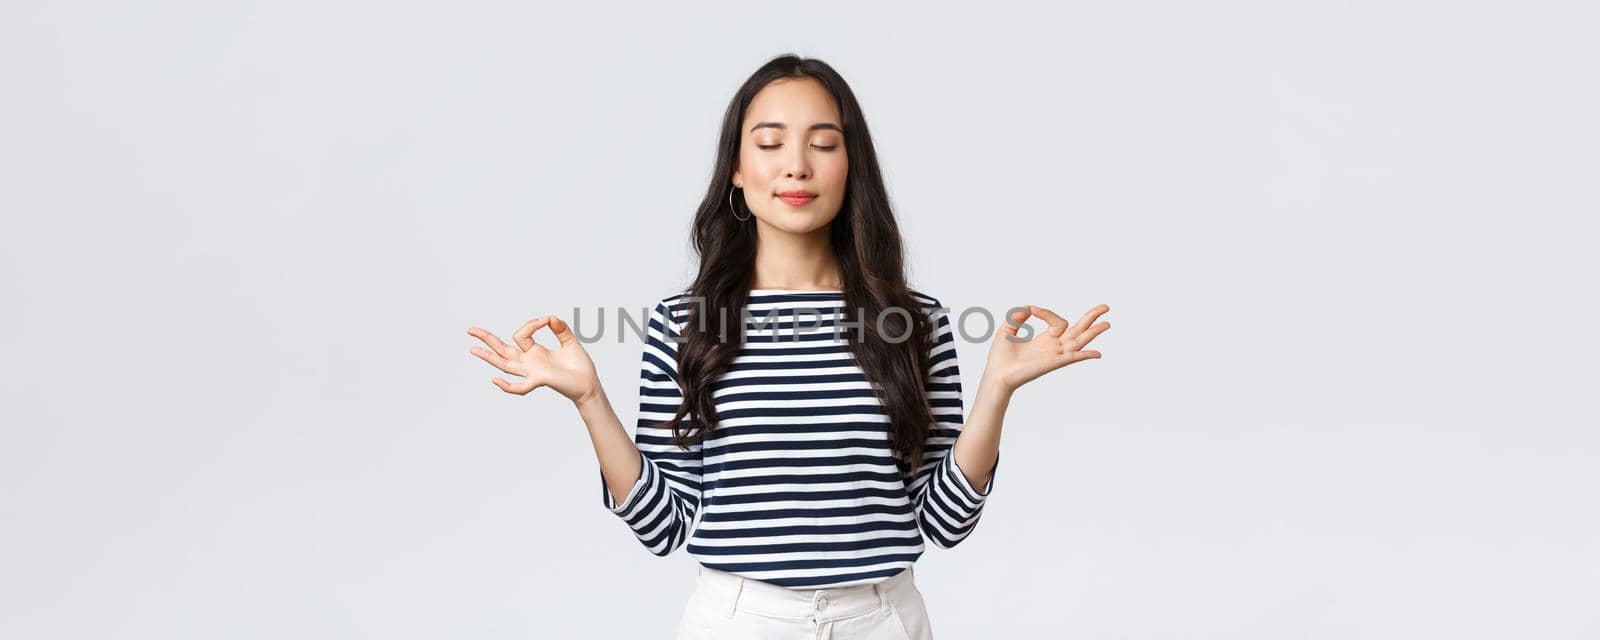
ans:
(797, 486)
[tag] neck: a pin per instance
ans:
(795, 261)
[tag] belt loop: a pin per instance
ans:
(878, 590)
(733, 599)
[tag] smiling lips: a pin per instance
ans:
(797, 197)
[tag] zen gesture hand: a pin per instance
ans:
(1014, 362)
(567, 369)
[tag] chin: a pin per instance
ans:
(798, 222)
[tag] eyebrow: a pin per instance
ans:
(780, 125)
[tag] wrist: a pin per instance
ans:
(994, 384)
(994, 391)
(593, 397)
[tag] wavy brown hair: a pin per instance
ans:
(866, 243)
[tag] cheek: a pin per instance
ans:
(835, 173)
(758, 166)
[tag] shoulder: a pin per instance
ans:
(930, 304)
(943, 333)
(666, 314)
(674, 304)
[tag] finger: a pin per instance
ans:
(521, 388)
(524, 335)
(1019, 315)
(494, 342)
(1079, 356)
(563, 331)
(1058, 324)
(498, 362)
(1082, 340)
(1088, 319)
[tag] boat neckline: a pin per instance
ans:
(796, 291)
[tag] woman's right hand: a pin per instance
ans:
(567, 369)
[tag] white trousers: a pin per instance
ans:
(725, 606)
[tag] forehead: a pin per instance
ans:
(797, 102)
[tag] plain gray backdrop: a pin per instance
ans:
(1348, 391)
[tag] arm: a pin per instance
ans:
(1013, 361)
(946, 496)
(977, 451)
(658, 483)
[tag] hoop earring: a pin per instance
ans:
(736, 209)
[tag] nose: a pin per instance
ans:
(799, 168)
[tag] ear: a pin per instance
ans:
(737, 179)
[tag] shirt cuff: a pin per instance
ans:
(632, 498)
(972, 492)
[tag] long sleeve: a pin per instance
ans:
(661, 506)
(947, 505)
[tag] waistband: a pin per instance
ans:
(733, 592)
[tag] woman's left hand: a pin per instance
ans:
(1014, 362)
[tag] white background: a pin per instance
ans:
(1348, 247)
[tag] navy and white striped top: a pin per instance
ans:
(798, 485)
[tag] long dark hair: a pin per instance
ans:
(866, 243)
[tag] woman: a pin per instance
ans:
(821, 438)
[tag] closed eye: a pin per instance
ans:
(769, 147)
